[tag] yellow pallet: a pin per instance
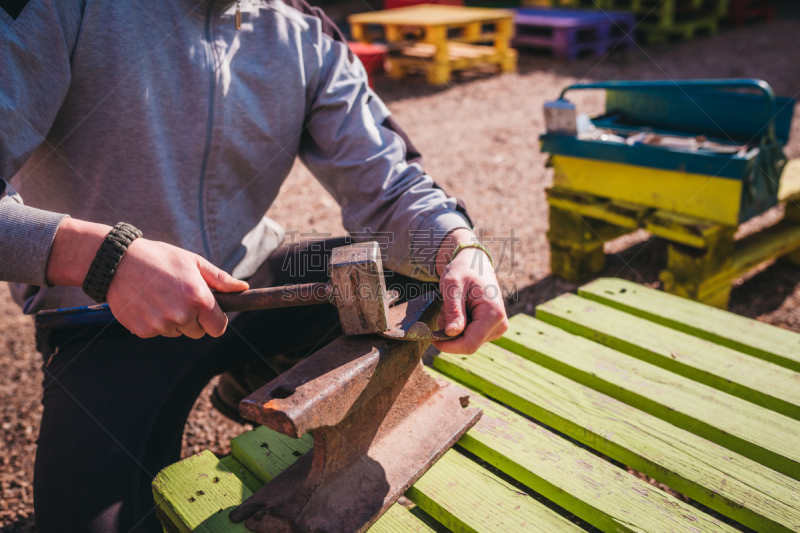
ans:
(703, 258)
(698, 195)
(437, 38)
(461, 56)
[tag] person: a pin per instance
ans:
(147, 139)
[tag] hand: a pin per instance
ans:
(469, 288)
(158, 289)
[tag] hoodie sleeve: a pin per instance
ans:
(359, 154)
(36, 40)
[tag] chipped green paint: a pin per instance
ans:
(727, 482)
(595, 490)
(767, 437)
(767, 342)
(467, 498)
(760, 382)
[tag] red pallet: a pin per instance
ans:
(740, 11)
(372, 56)
(394, 4)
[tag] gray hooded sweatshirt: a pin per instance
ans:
(160, 113)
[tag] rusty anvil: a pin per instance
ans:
(379, 422)
(357, 288)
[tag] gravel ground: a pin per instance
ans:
(479, 137)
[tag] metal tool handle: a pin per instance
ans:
(251, 300)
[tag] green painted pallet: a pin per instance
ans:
(751, 337)
(658, 34)
(626, 377)
(762, 435)
(766, 384)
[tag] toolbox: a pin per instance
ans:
(711, 149)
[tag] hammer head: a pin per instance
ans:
(359, 289)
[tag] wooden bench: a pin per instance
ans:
(701, 400)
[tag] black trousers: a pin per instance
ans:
(115, 405)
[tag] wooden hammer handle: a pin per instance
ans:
(275, 297)
(252, 300)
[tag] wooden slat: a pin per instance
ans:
(698, 195)
(675, 227)
(267, 453)
(576, 479)
(430, 15)
(398, 519)
(198, 494)
(790, 181)
(223, 487)
(770, 438)
(245, 476)
(774, 241)
(766, 384)
(711, 474)
(468, 498)
(755, 338)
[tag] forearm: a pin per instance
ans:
(74, 248)
(26, 236)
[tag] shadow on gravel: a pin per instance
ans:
(416, 86)
(24, 525)
(766, 291)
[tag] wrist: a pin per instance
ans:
(74, 248)
(449, 244)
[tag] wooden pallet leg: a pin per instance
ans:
(576, 264)
(667, 14)
(438, 74)
(439, 68)
(509, 62)
(576, 244)
(793, 215)
(688, 270)
(396, 70)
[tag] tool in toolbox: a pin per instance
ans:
(707, 148)
(357, 288)
(379, 422)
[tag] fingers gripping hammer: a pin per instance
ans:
(357, 288)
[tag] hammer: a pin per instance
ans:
(357, 288)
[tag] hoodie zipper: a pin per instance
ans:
(212, 87)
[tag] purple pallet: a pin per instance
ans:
(570, 34)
